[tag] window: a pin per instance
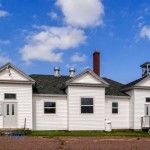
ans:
(7, 109)
(147, 100)
(13, 109)
(86, 105)
(49, 107)
(10, 96)
(114, 107)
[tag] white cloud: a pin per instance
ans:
(82, 13)
(145, 32)
(4, 59)
(49, 43)
(53, 15)
(4, 13)
(4, 42)
(78, 58)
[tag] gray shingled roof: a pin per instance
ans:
(114, 88)
(49, 84)
(131, 84)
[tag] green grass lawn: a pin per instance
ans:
(89, 133)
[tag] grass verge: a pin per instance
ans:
(88, 133)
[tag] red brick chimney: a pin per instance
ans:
(96, 62)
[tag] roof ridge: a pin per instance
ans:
(48, 75)
(113, 80)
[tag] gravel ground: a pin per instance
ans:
(74, 143)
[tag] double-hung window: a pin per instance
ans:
(114, 107)
(49, 107)
(87, 105)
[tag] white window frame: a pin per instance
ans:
(86, 105)
(114, 108)
(49, 107)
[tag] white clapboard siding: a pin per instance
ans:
(131, 109)
(120, 120)
(1, 117)
(4, 75)
(43, 121)
(87, 78)
(139, 106)
(24, 102)
(144, 82)
(78, 121)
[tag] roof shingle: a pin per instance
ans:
(114, 88)
(49, 84)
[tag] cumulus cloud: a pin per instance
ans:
(78, 58)
(49, 43)
(4, 13)
(82, 13)
(145, 32)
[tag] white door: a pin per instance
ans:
(147, 115)
(10, 115)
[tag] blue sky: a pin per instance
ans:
(40, 34)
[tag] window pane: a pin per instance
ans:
(10, 96)
(49, 110)
(86, 101)
(7, 109)
(115, 110)
(49, 104)
(12, 109)
(86, 109)
(114, 104)
(148, 100)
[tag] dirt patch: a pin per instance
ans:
(74, 143)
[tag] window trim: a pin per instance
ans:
(114, 108)
(87, 105)
(50, 107)
(10, 98)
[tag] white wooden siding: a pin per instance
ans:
(24, 102)
(1, 117)
(43, 121)
(87, 78)
(1, 121)
(131, 109)
(78, 121)
(144, 82)
(120, 120)
(139, 106)
(4, 75)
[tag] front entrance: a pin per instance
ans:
(10, 114)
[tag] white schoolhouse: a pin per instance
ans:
(74, 102)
